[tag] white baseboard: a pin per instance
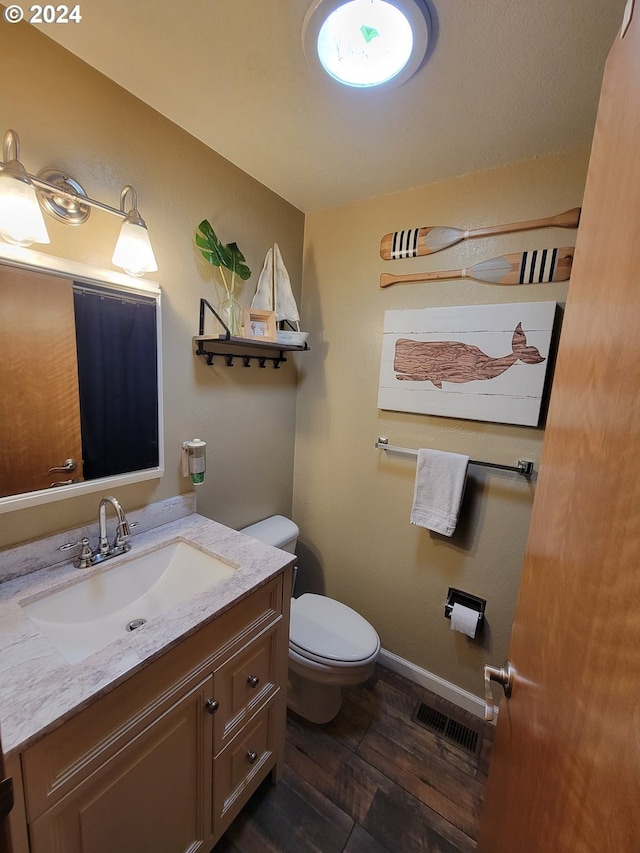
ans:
(434, 683)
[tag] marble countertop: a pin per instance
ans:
(39, 690)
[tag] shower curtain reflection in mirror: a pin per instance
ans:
(117, 376)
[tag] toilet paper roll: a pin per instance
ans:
(464, 619)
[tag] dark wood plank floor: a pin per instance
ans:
(371, 781)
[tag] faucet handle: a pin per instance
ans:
(123, 532)
(86, 554)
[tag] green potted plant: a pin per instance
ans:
(223, 257)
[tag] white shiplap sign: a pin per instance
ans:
(481, 362)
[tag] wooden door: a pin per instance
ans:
(39, 401)
(565, 773)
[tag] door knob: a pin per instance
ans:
(67, 465)
(504, 676)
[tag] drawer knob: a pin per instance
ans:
(253, 681)
(252, 756)
(211, 706)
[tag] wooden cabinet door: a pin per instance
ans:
(154, 795)
(39, 402)
(565, 772)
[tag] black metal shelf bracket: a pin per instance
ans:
(205, 304)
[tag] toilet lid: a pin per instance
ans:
(325, 628)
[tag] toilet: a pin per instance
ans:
(330, 645)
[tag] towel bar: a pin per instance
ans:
(524, 466)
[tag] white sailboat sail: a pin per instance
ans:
(263, 298)
(284, 300)
(273, 292)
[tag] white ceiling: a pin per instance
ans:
(506, 80)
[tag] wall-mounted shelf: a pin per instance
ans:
(229, 347)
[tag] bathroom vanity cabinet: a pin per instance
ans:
(167, 759)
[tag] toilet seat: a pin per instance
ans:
(330, 633)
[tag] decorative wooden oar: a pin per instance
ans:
(532, 267)
(425, 241)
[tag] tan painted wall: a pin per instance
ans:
(69, 116)
(351, 501)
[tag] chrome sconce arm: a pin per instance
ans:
(22, 196)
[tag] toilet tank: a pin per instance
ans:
(275, 530)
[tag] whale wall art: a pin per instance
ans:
(481, 362)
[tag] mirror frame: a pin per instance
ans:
(27, 259)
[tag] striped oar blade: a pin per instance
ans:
(419, 241)
(532, 267)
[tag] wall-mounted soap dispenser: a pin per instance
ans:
(194, 460)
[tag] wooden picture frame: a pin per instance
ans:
(259, 324)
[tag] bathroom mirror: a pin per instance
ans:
(81, 379)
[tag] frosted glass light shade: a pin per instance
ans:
(133, 250)
(366, 43)
(21, 219)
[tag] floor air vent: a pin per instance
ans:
(449, 728)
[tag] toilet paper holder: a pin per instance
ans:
(473, 602)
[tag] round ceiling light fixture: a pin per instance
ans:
(365, 43)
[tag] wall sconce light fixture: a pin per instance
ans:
(24, 196)
(21, 220)
(133, 250)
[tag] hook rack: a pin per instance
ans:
(246, 359)
(254, 350)
(524, 466)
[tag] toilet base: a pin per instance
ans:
(315, 689)
(317, 703)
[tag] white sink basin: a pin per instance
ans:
(86, 616)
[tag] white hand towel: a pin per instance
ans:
(440, 481)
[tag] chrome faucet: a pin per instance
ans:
(120, 542)
(87, 557)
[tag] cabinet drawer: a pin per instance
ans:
(240, 768)
(242, 685)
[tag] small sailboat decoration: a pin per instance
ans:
(274, 293)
